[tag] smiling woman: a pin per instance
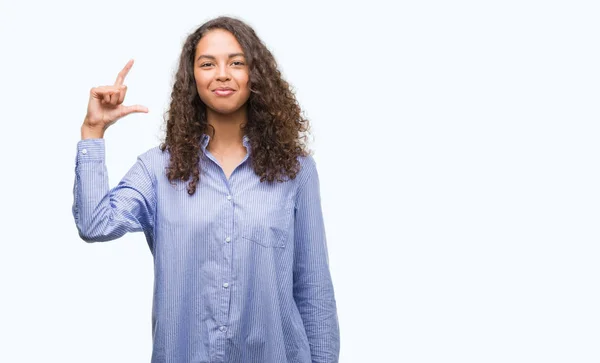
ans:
(241, 266)
(220, 74)
(226, 53)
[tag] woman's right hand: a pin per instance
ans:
(105, 106)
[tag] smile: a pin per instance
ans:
(223, 92)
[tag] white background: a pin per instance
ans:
(457, 145)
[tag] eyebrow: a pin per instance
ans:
(213, 57)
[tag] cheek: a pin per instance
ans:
(202, 82)
(242, 79)
(245, 88)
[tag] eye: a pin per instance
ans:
(209, 63)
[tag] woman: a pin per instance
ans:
(229, 204)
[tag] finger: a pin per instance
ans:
(103, 89)
(135, 108)
(123, 92)
(114, 97)
(106, 94)
(121, 76)
(98, 92)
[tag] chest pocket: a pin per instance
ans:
(271, 225)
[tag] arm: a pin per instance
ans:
(102, 214)
(313, 288)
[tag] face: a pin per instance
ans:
(220, 63)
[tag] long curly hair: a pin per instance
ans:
(276, 128)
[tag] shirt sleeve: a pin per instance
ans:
(313, 288)
(102, 214)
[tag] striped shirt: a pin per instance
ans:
(241, 268)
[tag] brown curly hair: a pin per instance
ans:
(276, 129)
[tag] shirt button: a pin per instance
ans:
(223, 328)
(84, 151)
(229, 197)
(226, 285)
(228, 239)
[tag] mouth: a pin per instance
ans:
(223, 91)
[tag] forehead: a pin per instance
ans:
(218, 42)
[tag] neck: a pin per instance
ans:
(228, 134)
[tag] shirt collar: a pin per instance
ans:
(206, 138)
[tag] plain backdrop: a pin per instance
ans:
(457, 145)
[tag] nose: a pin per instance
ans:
(222, 74)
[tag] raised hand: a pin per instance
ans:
(105, 106)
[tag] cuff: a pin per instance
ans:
(90, 150)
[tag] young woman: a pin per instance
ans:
(229, 204)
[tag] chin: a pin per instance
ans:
(223, 110)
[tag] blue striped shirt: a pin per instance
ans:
(241, 268)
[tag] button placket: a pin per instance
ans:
(225, 299)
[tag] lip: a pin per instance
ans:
(223, 91)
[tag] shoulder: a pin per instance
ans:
(153, 153)
(308, 169)
(307, 160)
(155, 160)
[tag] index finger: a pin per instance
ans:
(123, 73)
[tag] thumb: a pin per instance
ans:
(126, 110)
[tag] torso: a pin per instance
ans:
(230, 162)
(229, 165)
